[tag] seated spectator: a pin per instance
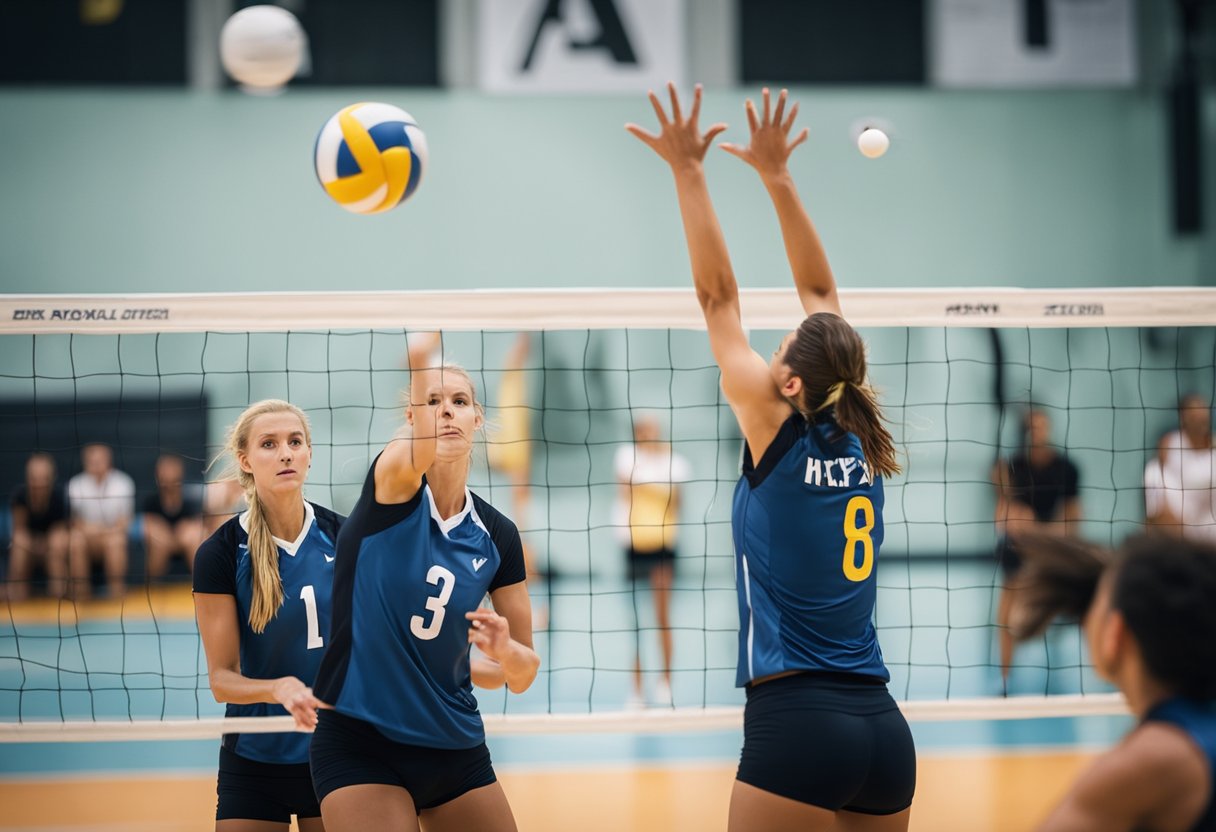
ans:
(40, 530)
(173, 517)
(1179, 482)
(1036, 490)
(102, 503)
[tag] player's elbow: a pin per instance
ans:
(717, 295)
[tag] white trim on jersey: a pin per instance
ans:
(445, 526)
(751, 616)
(293, 546)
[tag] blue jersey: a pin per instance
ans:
(1198, 719)
(405, 578)
(807, 526)
(291, 644)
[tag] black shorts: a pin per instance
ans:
(641, 564)
(350, 752)
(833, 740)
(1008, 557)
(249, 790)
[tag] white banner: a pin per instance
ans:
(580, 45)
(1032, 43)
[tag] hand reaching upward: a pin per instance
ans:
(680, 141)
(770, 144)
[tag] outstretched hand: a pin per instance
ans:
(679, 141)
(770, 144)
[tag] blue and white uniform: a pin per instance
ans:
(1198, 720)
(399, 657)
(807, 523)
(294, 640)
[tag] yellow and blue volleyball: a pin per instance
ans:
(370, 157)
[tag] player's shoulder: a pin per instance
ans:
(223, 542)
(494, 520)
(328, 520)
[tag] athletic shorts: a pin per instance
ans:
(350, 752)
(249, 790)
(641, 564)
(833, 740)
(1008, 557)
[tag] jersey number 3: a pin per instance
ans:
(436, 604)
(854, 535)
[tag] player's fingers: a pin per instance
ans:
(658, 109)
(752, 121)
(696, 105)
(806, 131)
(711, 134)
(767, 107)
(676, 116)
(481, 614)
(789, 121)
(778, 114)
(648, 138)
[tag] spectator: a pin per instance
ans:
(650, 474)
(40, 529)
(1178, 483)
(1036, 489)
(102, 501)
(173, 517)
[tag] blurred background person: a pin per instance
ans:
(40, 530)
(102, 503)
(1179, 482)
(649, 474)
(172, 517)
(1036, 489)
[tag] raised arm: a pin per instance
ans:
(410, 453)
(768, 152)
(746, 381)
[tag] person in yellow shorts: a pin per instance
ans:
(649, 474)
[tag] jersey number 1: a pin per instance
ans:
(447, 582)
(854, 535)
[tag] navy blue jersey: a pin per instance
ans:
(405, 578)
(807, 525)
(1198, 720)
(293, 641)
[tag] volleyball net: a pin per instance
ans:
(565, 375)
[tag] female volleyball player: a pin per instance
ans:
(262, 588)
(824, 744)
(404, 739)
(1151, 628)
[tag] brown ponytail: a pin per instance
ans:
(830, 358)
(263, 553)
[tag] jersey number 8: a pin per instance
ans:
(854, 534)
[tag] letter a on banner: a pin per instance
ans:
(580, 45)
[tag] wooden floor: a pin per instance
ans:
(955, 794)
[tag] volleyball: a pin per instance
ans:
(370, 157)
(261, 46)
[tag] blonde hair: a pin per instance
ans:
(263, 553)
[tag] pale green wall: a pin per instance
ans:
(168, 191)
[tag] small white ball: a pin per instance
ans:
(262, 46)
(873, 142)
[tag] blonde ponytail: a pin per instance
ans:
(263, 552)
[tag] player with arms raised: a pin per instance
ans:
(404, 743)
(825, 746)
